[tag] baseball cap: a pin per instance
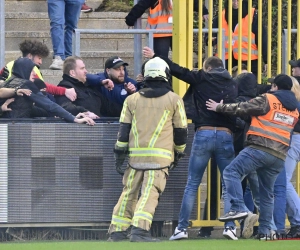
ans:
(282, 81)
(295, 63)
(114, 62)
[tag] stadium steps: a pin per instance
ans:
(29, 20)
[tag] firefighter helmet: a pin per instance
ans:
(157, 69)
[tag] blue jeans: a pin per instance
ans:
(292, 198)
(280, 201)
(206, 144)
(64, 16)
(267, 167)
(254, 187)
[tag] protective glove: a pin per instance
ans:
(177, 157)
(120, 156)
(5, 74)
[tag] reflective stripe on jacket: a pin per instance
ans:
(277, 124)
(159, 20)
(245, 38)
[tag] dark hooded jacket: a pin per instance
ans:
(257, 107)
(254, 30)
(247, 89)
(216, 84)
(23, 105)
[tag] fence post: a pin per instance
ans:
(284, 52)
(2, 33)
(137, 47)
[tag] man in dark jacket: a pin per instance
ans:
(89, 100)
(213, 130)
(23, 76)
(273, 117)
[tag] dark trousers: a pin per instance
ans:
(162, 45)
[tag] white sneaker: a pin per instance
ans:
(57, 63)
(179, 234)
(249, 222)
(230, 233)
(271, 236)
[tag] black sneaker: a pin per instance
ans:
(294, 232)
(118, 236)
(141, 235)
(233, 215)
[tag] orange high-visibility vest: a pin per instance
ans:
(159, 20)
(277, 124)
(245, 39)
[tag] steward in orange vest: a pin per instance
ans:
(273, 117)
(246, 18)
(160, 18)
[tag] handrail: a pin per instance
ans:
(149, 34)
(2, 33)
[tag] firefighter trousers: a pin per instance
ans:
(131, 210)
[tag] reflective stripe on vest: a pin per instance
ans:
(245, 39)
(277, 124)
(158, 20)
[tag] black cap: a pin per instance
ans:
(282, 81)
(114, 62)
(295, 63)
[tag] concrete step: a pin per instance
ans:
(88, 42)
(37, 5)
(93, 60)
(33, 21)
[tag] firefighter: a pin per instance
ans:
(153, 132)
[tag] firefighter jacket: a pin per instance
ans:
(245, 39)
(273, 117)
(158, 126)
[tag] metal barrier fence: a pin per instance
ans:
(137, 44)
(66, 176)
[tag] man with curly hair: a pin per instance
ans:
(36, 51)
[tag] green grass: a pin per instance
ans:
(164, 245)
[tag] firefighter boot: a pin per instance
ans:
(141, 235)
(118, 236)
